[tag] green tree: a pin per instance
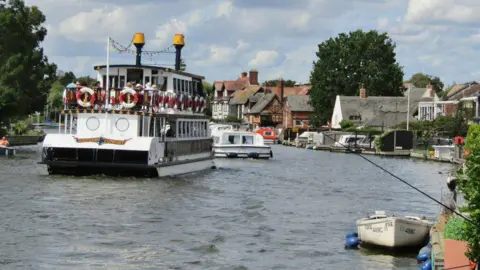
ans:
(25, 73)
(66, 78)
(421, 80)
(87, 80)
(183, 66)
(208, 90)
(55, 95)
(287, 83)
(470, 187)
(349, 60)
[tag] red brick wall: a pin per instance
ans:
(450, 109)
(294, 115)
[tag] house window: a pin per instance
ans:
(298, 123)
(355, 117)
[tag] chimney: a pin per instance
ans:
(253, 77)
(363, 92)
(139, 42)
(244, 74)
(178, 42)
(430, 90)
(282, 89)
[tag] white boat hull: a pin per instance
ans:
(182, 169)
(233, 151)
(393, 232)
(270, 141)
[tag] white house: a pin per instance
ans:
(379, 111)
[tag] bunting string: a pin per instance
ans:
(116, 46)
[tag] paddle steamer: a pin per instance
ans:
(153, 127)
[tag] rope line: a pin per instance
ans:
(405, 182)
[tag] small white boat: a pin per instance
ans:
(392, 231)
(239, 144)
(349, 140)
(6, 151)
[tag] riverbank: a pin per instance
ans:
(415, 154)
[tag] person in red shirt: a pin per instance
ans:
(4, 141)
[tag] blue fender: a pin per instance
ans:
(427, 265)
(352, 242)
(351, 234)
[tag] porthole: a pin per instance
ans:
(122, 124)
(93, 123)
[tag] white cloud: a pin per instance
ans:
(263, 59)
(225, 9)
(457, 11)
(277, 37)
(165, 32)
(301, 21)
(218, 56)
(382, 23)
(96, 25)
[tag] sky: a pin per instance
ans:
(279, 38)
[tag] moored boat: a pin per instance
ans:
(393, 231)
(228, 143)
(153, 126)
(269, 135)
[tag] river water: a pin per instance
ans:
(291, 212)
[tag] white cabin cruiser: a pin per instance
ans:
(393, 231)
(147, 131)
(228, 143)
(349, 140)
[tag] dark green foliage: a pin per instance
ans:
(25, 73)
(470, 188)
(344, 124)
(66, 78)
(287, 83)
(350, 60)
(421, 80)
(456, 229)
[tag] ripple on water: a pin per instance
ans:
(291, 212)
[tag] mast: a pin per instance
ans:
(107, 85)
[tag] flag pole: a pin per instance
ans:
(107, 84)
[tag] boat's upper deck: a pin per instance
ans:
(164, 90)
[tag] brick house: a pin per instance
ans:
(297, 111)
(224, 91)
(267, 107)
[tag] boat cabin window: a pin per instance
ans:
(171, 128)
(247, 139)
(190, 129)
(135, 75)
(121, 82)
(234, 139)
(268, 133)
